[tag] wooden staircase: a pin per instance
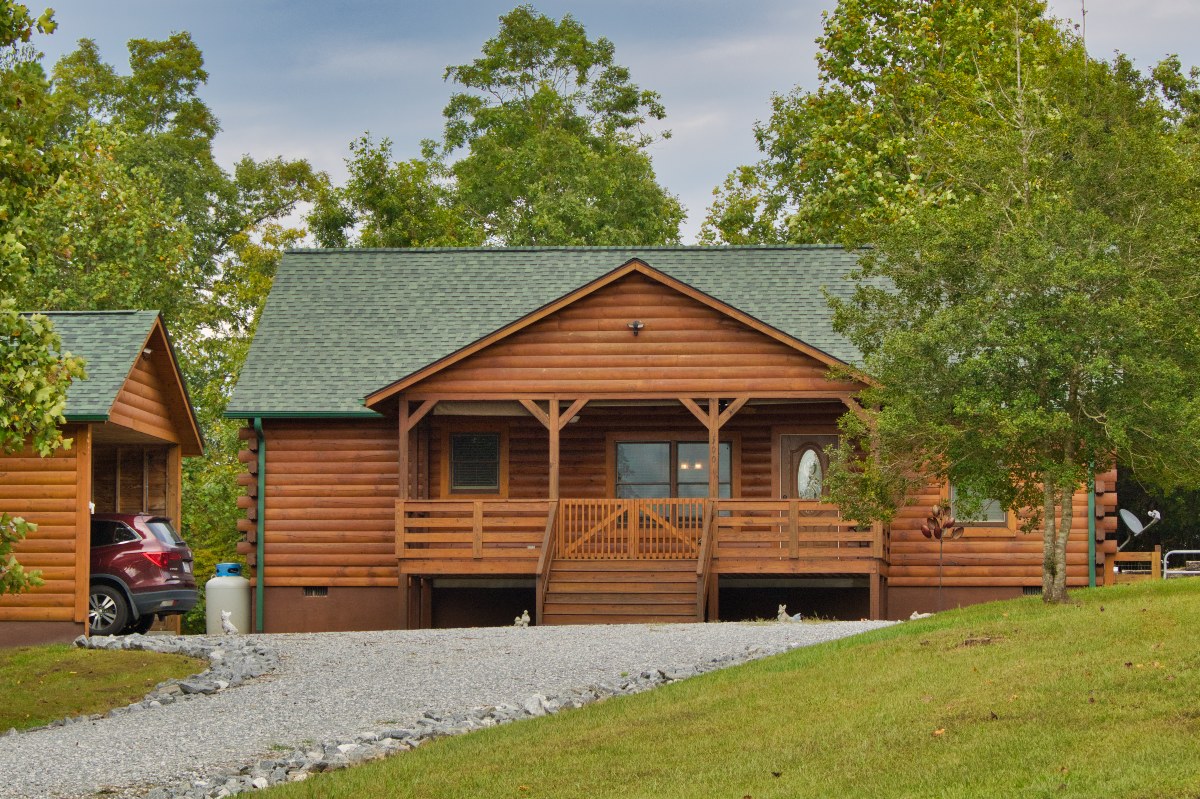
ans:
(620, 591)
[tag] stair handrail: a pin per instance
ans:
(545, 558)
(704, 559)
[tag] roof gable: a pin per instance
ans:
(340, 324)
(113, 344)
(585, 342)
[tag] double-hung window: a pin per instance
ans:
(475, 463)
(670, 469)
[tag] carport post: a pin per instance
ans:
(259, 566)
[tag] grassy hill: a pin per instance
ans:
(42, 683)
(1094, 699)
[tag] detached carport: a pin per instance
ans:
(131, 424)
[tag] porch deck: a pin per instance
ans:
(609, 548)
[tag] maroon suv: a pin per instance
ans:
(141, 568)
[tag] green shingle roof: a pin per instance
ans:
(340, 324)
(111, 342)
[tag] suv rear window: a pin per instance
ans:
(164, 532)
(105, 532)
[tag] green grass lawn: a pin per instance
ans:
(1014, 699)
(44, 683)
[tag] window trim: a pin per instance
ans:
(1004, 529)
(672, 437)
(467, 427)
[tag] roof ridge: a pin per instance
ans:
(568, 248)
(127, 312)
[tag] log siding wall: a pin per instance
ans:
(330, 503)
(991, 557)
(53, 493)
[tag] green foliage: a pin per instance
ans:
(394, 203)
(547, 148)
(846, 156)
(34, 378)
(13, 577)
(34, 373)
(1036, 320)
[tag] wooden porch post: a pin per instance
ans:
(411, 596)
(878, 599)
(713, 420)
(402, 458)
(555, 429)
(714, 449)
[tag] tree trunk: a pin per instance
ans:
(1049, 542)
(1067, 497)
(1054, 543)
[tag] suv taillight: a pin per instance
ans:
(159, 559)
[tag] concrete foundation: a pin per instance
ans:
(32, 633)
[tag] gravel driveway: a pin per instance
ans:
(338, 684)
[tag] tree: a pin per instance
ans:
(543, 146)
(846, 156)
(34, 373)
(393, 203)
(124, 205)
(1034, 322)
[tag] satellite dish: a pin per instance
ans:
(1135, 525)
(1132, 522)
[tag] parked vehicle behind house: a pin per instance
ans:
(140, 568)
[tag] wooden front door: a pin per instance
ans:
(802, 465)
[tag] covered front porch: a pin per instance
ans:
(624, 509)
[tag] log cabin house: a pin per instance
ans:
(448, 437)
(130, 424)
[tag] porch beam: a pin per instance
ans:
(734, 406)
(714, 448)
(691, 405)
(855, 407)
(570, 413)
(422, 410)
(536, 412)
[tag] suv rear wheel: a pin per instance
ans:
(142, 625)
(108, 612)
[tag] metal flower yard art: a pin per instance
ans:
(940, 525)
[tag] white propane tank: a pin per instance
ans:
(230, 591)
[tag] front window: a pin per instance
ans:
(670, 469)
(475, 462)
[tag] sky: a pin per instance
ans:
(303, 78)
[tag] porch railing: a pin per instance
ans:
(477, 530)
(633, 529)
(752, 529)
(528, 534)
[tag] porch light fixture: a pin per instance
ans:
(636, 326)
